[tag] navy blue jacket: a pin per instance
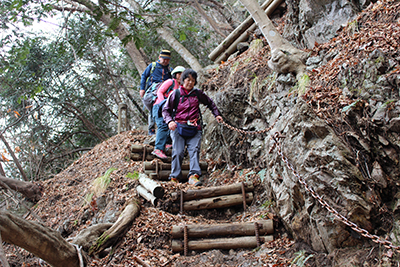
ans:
(160, 74)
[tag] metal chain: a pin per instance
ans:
(343, 219)
(248, 132)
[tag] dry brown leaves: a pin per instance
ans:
(378, 27)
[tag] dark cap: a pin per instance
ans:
(165, 54)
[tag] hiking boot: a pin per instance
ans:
(194, 180)
(174, 180)
(159, 154)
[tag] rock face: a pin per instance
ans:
(316, 153)
(313, 21)
(356, 172)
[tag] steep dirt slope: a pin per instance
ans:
(63, 207)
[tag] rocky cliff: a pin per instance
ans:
(339, 132)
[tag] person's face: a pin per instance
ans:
(178, 76)
(163, 61)
(189, 82)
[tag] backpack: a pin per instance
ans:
(151, 94)
(153, 66)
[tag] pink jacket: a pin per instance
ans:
(162, 91)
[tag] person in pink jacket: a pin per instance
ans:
(163, 135)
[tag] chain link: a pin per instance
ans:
(340, 217)
(355, 227)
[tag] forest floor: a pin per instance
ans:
(64, 205)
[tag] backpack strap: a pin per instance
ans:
(153, 66)
(171, 87)
(176, 102)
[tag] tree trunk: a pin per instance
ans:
(87, 237)
(235, 34)
(270, 8)
(28, 189)
(206, 17)
(3, 258)
(119, 228)
(2, 170)
(21, 170)
(224, 229)
(131, 48)
(89, 125)
(221, 243)
(122, 33)
(285, 58)
(168, 36)
(41, 241)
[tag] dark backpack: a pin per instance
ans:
(151, 94)
(150, 78)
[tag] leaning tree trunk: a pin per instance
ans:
(121, 31)
(28, 189)
(41, 241)
(118, 229)
(21, 170)
(171, 40)
(179, 48)
(131, 48)
(285, 58)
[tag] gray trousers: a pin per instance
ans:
(178, 150)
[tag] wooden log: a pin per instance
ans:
(40, 240)
(224, 229)
(139, 148)
(118, 229)
(217, 202)
(167, 166)
(221, 243)
(213, 191)
(146, 195)
(30, 190)
(152, 186)
(235, 34)
(229, 50)
(163, 175)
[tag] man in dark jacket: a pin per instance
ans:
(155, 72)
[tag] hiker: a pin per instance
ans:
(182, 114)
(163, 136)
(155, 72)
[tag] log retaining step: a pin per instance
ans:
(224, 229)
(220, 243)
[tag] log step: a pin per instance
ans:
(213, 191)
(224, 229)
(220, 243)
